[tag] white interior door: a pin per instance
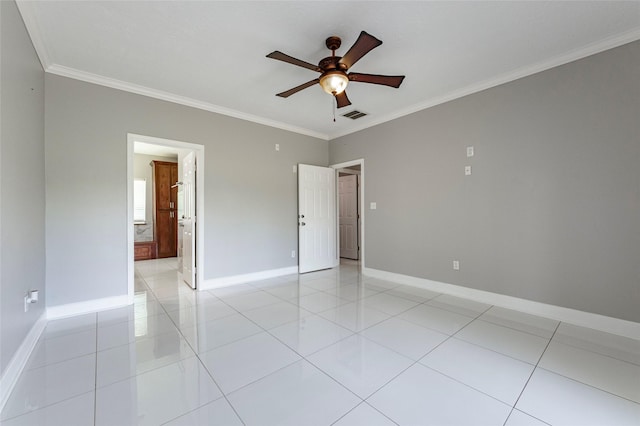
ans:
(189, 219)
(316, 218)
(348, 216)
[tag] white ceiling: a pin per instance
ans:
(211, 54)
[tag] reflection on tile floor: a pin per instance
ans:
(330, 347)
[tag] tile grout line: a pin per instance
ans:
(480, 319)
(422, 357)
(589, 385)
(426, 303)
(197, 356)
(59, 362)
(436, 371)
(531, 375)
(302, 357)
(44, 407)
(599, 353)
(180, 360)
(364, 402)
(358, 333)
(445, 375)
(146, 371)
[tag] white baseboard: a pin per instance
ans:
(244, 278)
(572, 316)
(79, 308)
(19, 359)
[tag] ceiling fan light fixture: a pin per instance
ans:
(334, 82)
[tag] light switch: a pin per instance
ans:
(295, 169)
(469, 151)
(373, 206)
(277, 147)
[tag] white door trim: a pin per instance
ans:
(338, 166)
(199, 152)
(350, 172)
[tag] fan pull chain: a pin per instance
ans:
(334, 110)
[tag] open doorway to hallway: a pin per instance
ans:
(155, 201)
(166, 191)
(350, 215)
(349, 212)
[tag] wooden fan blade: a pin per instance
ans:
(296, 89)
(291, 60)
(342, 100)
(385, 80)
(363, 45)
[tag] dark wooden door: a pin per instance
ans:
(165, 175)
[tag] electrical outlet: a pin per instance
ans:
(293, 253)
(373, 206)
(456, 265)
(277, 147)
(31, 297)
(467, 170)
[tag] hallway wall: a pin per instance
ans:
(22, 187)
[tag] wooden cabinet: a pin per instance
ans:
(165, 175)
(144, 250)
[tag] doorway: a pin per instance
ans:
(350, 212)
(184, 153)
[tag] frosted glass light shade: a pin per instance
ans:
(334, 82)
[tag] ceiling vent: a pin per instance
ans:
(354, 115)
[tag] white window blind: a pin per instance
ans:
(139, 201)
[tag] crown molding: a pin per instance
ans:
(574, 55)
(28, 15)
(27, 12)
(170, 97)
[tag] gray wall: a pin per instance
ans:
(551, 212)
(22, 247)
(250, 189)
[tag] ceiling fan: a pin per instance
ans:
(334, 77)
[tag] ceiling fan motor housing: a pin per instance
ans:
(331, 63)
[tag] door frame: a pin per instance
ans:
(200, 224)
(337, 167)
